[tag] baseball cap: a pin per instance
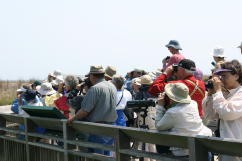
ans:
(187, 64)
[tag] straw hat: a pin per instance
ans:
(178, 92)
(96, 70)
(110, 71)
(45, 89)
(146, 80)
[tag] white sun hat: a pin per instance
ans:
(45, 89)
(21, 89)
(178, 92)
(56, 73)
(59, 79)
(136, 81)
(218, 52)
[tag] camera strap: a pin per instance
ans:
(195, 88)
(120, 98)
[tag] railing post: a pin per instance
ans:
(197, 151)
(29, 127)
(122, 142)
(68, 133)
(2, 124)
(2, 154)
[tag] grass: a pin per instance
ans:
(8, 91)
(6, 100)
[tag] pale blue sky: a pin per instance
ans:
(37, 37)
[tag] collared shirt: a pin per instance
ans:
(182, 119)
(159, 84)
(227, 107)
(100, 102)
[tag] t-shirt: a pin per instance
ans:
(126, 97)
(100, 102)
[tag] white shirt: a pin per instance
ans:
(229, 109)
(182, 119)
(126, 97)
(37, 103)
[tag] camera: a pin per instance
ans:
(209, 84)
(175, 67)
(140, 105)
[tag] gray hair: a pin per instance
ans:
(71, 81)
(118, 81)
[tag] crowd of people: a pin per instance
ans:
(185, 102)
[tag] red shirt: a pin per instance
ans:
(62, 106)
(159, 84)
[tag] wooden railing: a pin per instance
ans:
(74, 147)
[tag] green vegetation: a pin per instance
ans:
(6, 100)
(8, 91)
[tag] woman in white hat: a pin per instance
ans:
(178, 113)
(218, 56)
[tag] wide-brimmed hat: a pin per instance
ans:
(218, 52)
(155, 74)
(146, 80)
(175, 44)
(110, 71)
(137, 70)
(240, 45)
(56, 73)
(96, 70)
(21, 89)
(136, 81)
(45, 89)
(59, 79)
(178, 92)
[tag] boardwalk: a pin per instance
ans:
(5, 109)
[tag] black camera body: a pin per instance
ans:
(209, 84)
(175, 67)
(140, 105)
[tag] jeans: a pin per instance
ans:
(102, 140)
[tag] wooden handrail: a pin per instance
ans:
(198, 146)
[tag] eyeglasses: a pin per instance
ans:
(224, 76)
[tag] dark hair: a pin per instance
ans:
(99, 75)
(29, 95)
(236, 68)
